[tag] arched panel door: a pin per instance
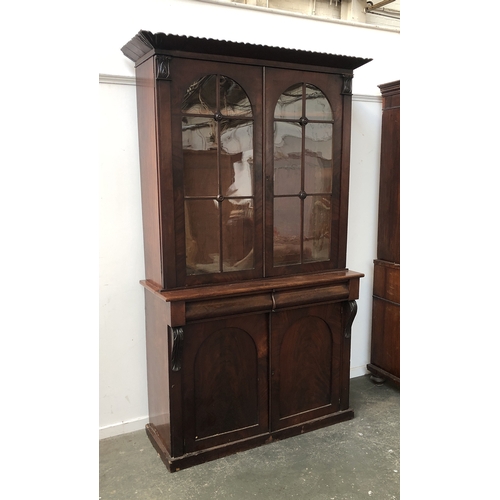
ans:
(306, 361)
(224, 381)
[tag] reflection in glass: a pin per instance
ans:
(286, 239)
(218, 176)
(289, 105)
(317, 223)
(317, 105)
(303, 175)
(237, 141)
(202, 236)
(199, 139)
(200, 173)
(199, 133)
(237, 234)
(233, 99)
(318, 158)
(200, 96)
(287, 157)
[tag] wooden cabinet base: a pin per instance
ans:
(384, 358)
(233, 368)
(199, 457)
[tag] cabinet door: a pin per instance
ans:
(306, 364)
(225, 382)
(217, 171)
(306, 172)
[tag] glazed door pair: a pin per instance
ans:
(244, 377)
(256, 171)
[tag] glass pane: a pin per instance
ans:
(289, 104)
(236, 160)
(317, 224)
(317, 105)
(237, 234)
(318, 158)
(286, 248)
(200, 157)
(199, 133)
(287, 158)
(233, 99)
(200, 96)
(202, 236)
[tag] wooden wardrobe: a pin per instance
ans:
(384, 362)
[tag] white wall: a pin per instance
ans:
(123, 389)
(362, 222)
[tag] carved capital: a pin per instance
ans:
(162, 68)
(347, 85)
(177, 338)
(352, 309)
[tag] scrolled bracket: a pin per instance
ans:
(177, 337)
(162, 68)
(347, 85)
(352, 309)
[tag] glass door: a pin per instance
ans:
(221, 175)
(303, 165)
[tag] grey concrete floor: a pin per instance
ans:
(357, 459)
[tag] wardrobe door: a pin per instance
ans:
(306, 364)
(225, 382)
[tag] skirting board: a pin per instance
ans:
(358, 371)
(139, 424)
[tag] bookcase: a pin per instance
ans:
(244, 158)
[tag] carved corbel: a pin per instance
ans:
(352, 309)
(177, 339)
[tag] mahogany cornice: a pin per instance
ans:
(145, 42)
(390, 88)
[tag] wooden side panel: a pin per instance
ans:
(385, 336)
(149, 170)
(166, 183)
(306, 352)
(157, 349)
(388, 225)
(385, 321)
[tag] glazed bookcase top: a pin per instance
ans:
(145, 42)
